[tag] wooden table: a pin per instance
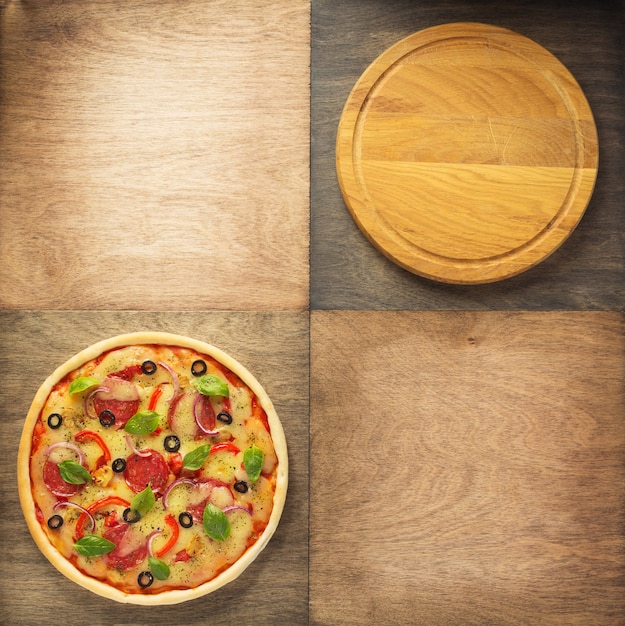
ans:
(456, 453)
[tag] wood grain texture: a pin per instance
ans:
(467, 468)
(586, 272)
(466, 153)
(274, 346)
(154, 155)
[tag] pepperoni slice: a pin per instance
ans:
(123, 410)
(183, 556)
(128, 372)
(150, 469)
(205, 489)
(205, 414)
(131, 548)
(197, 510)
(122, 400)
(55, 483)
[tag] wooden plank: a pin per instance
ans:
(154, 155)
(274, 346)
(586, 272)
(467, 468)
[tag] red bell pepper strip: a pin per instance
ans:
(224, 445)
(156, 394)
(85, 435)
(111, 520)
(175, 462)
(93, 507)
(170, 520)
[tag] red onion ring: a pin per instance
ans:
(236, 507)
(134, 448)
(88, 397)
(151, 537)
(58, 505)
(176, 482)
(174, 378)
(196, 401)
(69, 446)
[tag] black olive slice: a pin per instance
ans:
(55, 522)
(241, 486)
(225, 417)
(145, 579)
(186, 519)
(132, 516)
(148, 367)
(171, 443)
(55, 420)
(119, 465)
(107, 418)
(198, 368)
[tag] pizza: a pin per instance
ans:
(152, 468)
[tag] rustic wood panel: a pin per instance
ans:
(154, 155)
(587, 272)
(274, 346)
(467, 468)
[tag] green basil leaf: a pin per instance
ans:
(215, 522)
(195, 459)
(211, 385)
(159, 568)
(81, 383)
(92, 545)
(253, 459)
(143, 423)
(143, 501)
(74, 473)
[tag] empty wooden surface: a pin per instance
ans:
(467, 468)
(586, 272)
(466, 153)
(274, 346)
(154, 155)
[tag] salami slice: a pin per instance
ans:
(55, 483)
(149, 467)
(131, 548)
(121, 399)
(204, 413)
(203, 494)
(197, 510)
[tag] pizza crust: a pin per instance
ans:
(24, 482)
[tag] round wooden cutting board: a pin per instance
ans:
(467, 153)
